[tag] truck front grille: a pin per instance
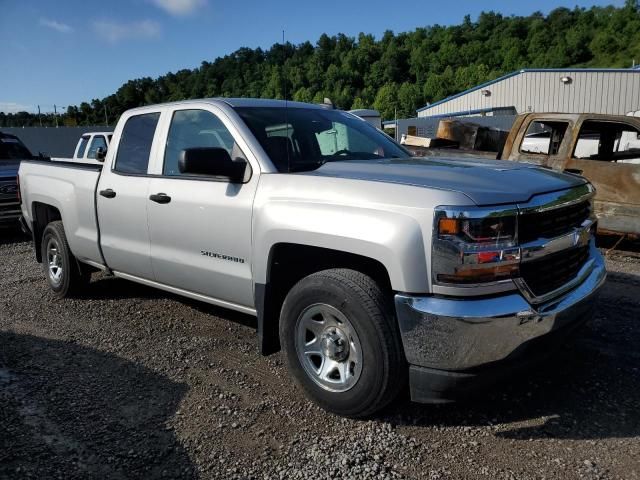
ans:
(552, 223)
(553, 271)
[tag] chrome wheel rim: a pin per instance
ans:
(328, 347)
(54, 260)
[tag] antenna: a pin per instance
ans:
(284, 66)
(286, 104)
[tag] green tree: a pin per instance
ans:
(396, 73)
(386, 101)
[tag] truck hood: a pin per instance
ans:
(9, 168)
(485, 182)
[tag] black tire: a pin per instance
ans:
(72, 277)
(370, 314)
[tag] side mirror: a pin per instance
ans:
(101, 153)
(212, 161)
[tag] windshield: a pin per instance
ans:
(11, 148)
(299, 139)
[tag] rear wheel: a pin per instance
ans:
(342, 345)
(65, 275)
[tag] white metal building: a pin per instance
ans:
(591, 90)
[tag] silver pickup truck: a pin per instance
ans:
(369, 268)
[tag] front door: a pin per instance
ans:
(123, 199)
(200, 233)
(543, 143)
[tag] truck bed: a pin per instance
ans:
(71, 189)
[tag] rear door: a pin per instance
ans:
(201, 234)
(122, 196)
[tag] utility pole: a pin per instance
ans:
(55, 114)
(39, 117)
(106, 119)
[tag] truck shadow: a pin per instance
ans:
(103, 287)
(589, 390)
(109, 288)
(12, 235)
(616, 243)
(75, 412)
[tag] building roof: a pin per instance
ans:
(528, 70)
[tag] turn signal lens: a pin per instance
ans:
(448, 226)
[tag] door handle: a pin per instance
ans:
(160, 198)
(108, 193)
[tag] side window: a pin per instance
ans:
(628, 146)
(82, 147)
(543, 138)
(135, 143)
(608, 142)
(97, 142)
(587, 143)
(193, 129)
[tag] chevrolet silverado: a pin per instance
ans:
(370, 269)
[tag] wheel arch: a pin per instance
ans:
(287, 263)
(42, 215)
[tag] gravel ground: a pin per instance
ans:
(131, 383)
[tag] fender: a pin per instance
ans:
(394, 240)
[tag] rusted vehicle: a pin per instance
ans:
(603, 148)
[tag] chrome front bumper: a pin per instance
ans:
(445, 333)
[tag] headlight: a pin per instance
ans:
(474, 246)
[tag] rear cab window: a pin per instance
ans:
(135, 144)
(543, 137)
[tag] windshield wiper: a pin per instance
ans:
(349, 155)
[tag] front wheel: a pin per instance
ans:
(65, 275)
(342, 345)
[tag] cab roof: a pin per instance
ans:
(239, 103)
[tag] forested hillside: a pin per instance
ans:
(397, 72)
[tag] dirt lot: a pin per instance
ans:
(131, 383)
